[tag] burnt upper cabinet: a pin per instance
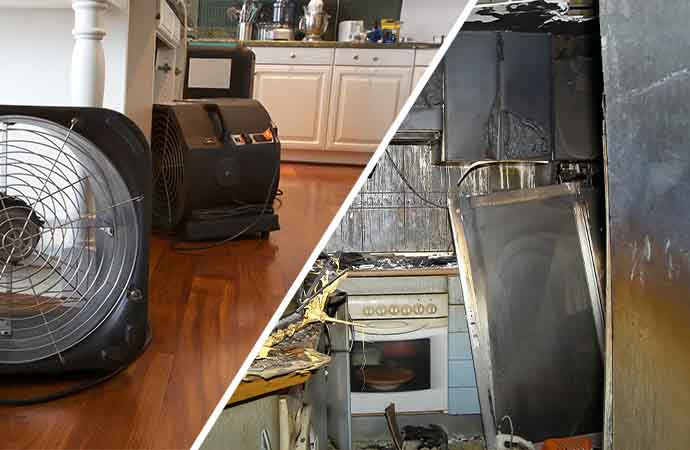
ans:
(577, 97)
(498, 97)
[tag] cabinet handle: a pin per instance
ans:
(356, 57)
(293, 56)
(376, 59)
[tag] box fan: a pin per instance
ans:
(74, 192)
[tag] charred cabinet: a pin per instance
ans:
(498, 97)
(526, 96)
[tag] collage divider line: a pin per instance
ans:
(438, 57)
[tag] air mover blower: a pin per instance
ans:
(216, 169)
(74, 196)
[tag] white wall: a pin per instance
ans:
(425, 19)
(36, 57)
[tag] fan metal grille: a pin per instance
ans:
(68, 238)
(168, 169)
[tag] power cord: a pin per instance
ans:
(191, 249)
(72, 390)
(409, 186)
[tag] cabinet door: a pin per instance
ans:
(365, 102)
(296, 97)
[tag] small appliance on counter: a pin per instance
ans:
(351, 31)
(283, 20)
(314, 23)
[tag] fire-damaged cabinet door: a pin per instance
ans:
(525, 130)
(471, 96)
(498, 97)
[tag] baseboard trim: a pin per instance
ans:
(326, 157)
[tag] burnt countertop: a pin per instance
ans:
(392, 264)
(319, 44)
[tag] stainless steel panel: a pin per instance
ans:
(534, 309)
(647, 87)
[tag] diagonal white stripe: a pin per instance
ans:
(469, 5)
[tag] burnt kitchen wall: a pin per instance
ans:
(394, 213)
(647, 81)
(387, 216)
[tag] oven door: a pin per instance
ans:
(401, 361)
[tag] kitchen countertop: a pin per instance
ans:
(318, 44)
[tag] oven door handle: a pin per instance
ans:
(393, 331)
(419, 330)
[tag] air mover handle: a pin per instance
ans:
(213, 110)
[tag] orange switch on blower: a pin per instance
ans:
(568, 444)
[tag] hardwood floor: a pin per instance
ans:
(206, 313)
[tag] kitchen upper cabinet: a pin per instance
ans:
(364, 103)
(297, 100)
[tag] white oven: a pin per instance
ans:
(400, 354)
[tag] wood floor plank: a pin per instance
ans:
(206, 313)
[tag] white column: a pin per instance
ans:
(88, 59)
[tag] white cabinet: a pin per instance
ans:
(296, 97)
(334, 105)
(364, 103)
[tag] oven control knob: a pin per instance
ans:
(394, 310)
(432, 309)
(381, 310)
(406, 310)
(419, 308)
(368, 310)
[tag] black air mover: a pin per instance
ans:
(216, 169)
